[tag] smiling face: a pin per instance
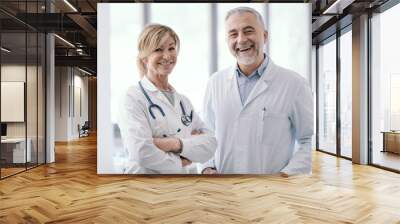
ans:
(246, 38)
(163, 59)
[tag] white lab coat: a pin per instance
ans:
(138, 129)
(254, 140)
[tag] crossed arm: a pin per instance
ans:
(172, 144)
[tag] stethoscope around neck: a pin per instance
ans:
(185, 119)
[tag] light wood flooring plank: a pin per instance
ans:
(70, 191)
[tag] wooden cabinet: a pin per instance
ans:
(391, 142)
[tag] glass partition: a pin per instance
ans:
(22, 90)
(14, 154)
(31, 100)
(346, 94)
(41, 96)
(385, 89)
(327, 96)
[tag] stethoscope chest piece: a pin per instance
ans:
(186, 119)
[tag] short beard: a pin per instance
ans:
(247, 60)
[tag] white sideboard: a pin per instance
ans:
(18, 147)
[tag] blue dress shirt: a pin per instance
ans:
(247, 83)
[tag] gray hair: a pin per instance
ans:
(244, 9)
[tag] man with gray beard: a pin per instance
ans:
(258, 110)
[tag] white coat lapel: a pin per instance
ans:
(155, 93)
(234, 89)
(262, 84)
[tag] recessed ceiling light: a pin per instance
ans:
(70, 5)
(84, 71)
(64, 40)
(5, 50)
(337, 7)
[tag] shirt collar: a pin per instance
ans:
(259, 71)
(148, 85)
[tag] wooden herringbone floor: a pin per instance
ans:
(70, 191)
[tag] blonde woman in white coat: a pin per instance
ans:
(162, 134)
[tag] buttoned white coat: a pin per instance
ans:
(138, 129)
(259, 137)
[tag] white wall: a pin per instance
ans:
(68, 82)
(61, 103)
(12, 73)
(80, 102)
(33, 106)
(12, 100)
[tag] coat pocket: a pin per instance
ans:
(271, 127)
